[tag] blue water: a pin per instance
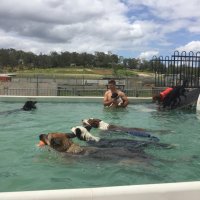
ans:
(23, 166)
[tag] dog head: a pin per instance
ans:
(114, 95)
(58, 141)
(117, 98)
(29, 105)
(91, 122)
(83, 134)
(96, 123)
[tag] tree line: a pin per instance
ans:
(18, 58)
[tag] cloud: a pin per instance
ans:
(72, 25)
(79, 25)
(168, 10)
(191, 46)
(98, 25)
(170, 16)
(148, 55)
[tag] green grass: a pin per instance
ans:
(97, 72)
(74, 71)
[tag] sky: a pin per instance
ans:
(128, 28)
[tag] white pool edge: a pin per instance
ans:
(165, 191)
(8, 98)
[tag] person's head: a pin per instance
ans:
(112, 84)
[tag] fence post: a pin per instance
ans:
(37, 86)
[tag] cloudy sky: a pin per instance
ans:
(129, 28)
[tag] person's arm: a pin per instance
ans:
(106, 100)
(125, 99)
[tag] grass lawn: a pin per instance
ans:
(98, 72)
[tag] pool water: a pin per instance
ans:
(23, 166)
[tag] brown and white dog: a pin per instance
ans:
(100, 124)
(62, 142)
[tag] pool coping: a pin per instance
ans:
(71, 99)
(163, 191)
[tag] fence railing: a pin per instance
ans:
(72, 92)
(172, 71)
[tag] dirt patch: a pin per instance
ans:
(146, 75)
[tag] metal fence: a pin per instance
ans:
(172, 71)
(42, 85)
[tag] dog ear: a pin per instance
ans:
(96, 123)
(88, 127)
(78, 132)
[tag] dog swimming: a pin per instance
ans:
(177, 98)
(100, 124)
(28, 106)
(172, 97)
(82, 133)
(107, 150)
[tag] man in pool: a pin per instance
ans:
(114, 97)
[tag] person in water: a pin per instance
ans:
(114, 97)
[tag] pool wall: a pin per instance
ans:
(172, 191)
(165, 191)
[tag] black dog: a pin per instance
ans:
(29, 105)
(173, 99)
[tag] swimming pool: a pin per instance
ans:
(24, 167)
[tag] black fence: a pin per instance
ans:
(172, 71)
